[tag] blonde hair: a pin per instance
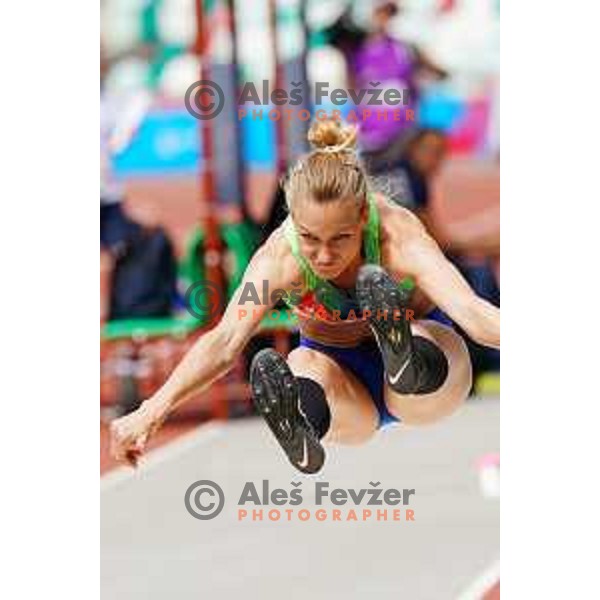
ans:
(332, 170)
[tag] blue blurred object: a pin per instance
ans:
(258, 141)
(168, 142)
(440, 110)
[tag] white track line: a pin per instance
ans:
(162, 455)
(483, 583)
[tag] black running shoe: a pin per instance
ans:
(276, 397)
(377, 291)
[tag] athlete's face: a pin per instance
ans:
(330, 234)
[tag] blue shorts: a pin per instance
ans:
(365, 363)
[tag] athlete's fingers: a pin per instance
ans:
(136, 450)
(120, 447)
(132, 457)
(115, 442)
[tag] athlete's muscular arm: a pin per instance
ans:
(412, 251)
(212, 355)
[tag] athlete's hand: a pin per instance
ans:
(129, 434)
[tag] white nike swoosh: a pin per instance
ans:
(394, 379)
(304, 461)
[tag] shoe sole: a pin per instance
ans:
(276, 397)
(377, 291)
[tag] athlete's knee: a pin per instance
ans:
(301, 359)
(442, 335)
(311, 363)
(455, 348)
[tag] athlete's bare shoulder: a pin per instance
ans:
(402, 234)
(397, 223)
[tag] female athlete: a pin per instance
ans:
(369, 272)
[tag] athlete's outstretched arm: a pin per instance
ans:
(210, 357)
(443, 284)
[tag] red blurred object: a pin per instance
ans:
(446, 6)
(493, 593)
(469, 134)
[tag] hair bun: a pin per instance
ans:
(331, 136)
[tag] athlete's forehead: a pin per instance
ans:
(328, 219)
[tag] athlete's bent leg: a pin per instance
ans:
(308, 399)
(427, 368)
(420, 408)
(353, 416)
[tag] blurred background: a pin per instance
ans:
(184, 199)
(199, 186)
(210, 187)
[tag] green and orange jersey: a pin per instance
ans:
(325, 311)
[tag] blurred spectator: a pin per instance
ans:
(407, 180)
(143, 278)
(120, 117)
(394, 64)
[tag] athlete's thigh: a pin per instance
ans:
(420, 409)
(354, 417)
